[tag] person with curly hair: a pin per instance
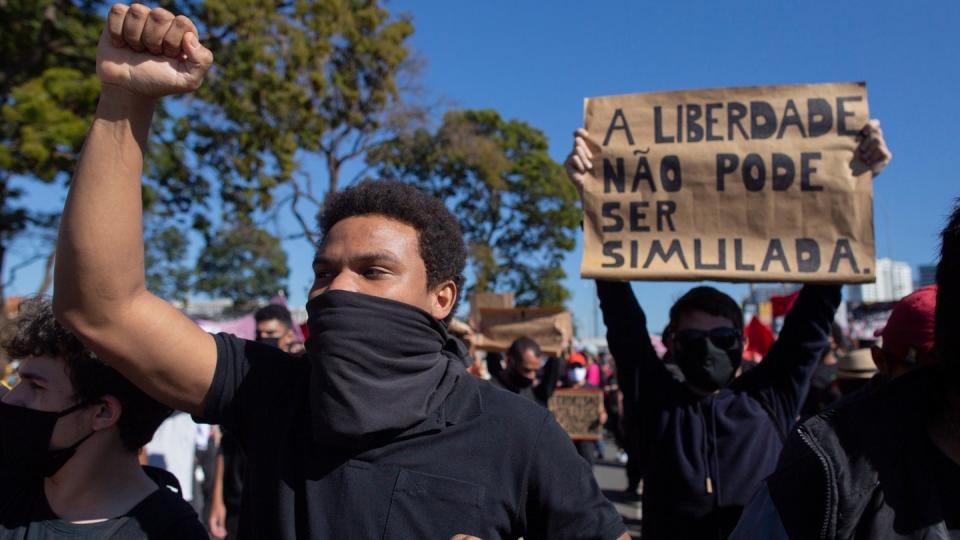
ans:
(379, 432)
(70, 431)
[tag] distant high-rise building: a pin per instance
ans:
(928, 275)
(894, 281)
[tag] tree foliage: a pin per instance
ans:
(168, 271)
(243, 263)
(299, 89)
(47, 97)
(295, 83)
(516, 207)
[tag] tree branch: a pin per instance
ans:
(12, 275)
(307, 230)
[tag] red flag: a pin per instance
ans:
(783, 304)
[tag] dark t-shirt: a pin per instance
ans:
(947, 475)
(25, 514)
(500, 466)
(234, 469)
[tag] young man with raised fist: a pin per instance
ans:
(379, 432)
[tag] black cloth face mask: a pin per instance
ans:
(519, 381)
(377, 368)
(708, 362)
(25, 440)
(272, 341)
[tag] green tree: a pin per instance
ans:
(165, 254)
(517, 209)
(48, 95)
(243, 263)
(296, 83)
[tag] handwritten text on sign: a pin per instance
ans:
(737, 184)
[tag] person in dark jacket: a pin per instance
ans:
(885, 463)
(707, 442)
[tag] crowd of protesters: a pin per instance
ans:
(388, 422)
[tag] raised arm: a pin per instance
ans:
(639, 368)
(627, 336)
(548, 379)
(784, 374)
(100, 291)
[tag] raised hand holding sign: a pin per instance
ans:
(151, 52)
(733, 184)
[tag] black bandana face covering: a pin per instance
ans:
(707, 367)
(378, 367)
(25, 440)
(271, 341)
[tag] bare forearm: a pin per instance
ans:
(100, 248)
(218, 480)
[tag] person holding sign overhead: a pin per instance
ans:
(705, 443)
(526, 372)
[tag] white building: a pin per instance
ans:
(894, 281)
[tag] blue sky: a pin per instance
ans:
(536, 61)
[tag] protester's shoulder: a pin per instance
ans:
(842, 450)
(163, 515)
(878, 410)
(869, 426)
(232, 347)
(508, 407)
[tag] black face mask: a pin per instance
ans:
(706, 366)
(377, 367)
(522, 382)
(25, 440)
(272, 341)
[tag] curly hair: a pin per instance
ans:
(38, 333)
(439, 236)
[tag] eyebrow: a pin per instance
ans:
(29, 376)
(363, 257)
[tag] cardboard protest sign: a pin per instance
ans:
(499, 327)
(733, 184)
(492, 300)
(578, 412)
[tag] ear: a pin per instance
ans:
(107, 413)
(670, 343)
(442, 299)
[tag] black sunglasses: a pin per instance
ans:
(723, 337)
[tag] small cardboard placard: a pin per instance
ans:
(492, 300)
(578, 412)
(549, 327)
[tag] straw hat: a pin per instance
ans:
(858, 364)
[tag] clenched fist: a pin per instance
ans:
(151, 52)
